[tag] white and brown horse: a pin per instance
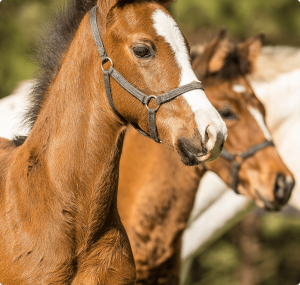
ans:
(276, 83)
(157, 192)
(59, 222)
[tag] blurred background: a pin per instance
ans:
(199, 20)
(264, 248)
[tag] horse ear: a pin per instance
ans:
(213, 56)
(106, 10)
(250, 50)
(219, 52)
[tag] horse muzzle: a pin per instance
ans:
(282, 190)
(195, 151)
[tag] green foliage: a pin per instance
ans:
(223, 259)
(21, 19)
(277, 261)
(19, 23)
(278, 19)
(280, 262)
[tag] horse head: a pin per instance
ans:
(249, 162)
(145, 45)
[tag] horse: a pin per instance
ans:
(59, 222)
(156, 192)
(277, 86)
(11, 108)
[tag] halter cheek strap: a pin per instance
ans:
(241, 157)
(143, 98)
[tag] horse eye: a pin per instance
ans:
(227, 114)
(142, 51)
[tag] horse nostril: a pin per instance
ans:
(192, 147)
(210, 137)
(279, 187)
(206, 137)
(222, 145)
(282, 189)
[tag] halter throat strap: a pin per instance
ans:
(237, 160)
(143, 98)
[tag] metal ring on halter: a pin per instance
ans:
(105, 59)
(238, 157)
(148, 100)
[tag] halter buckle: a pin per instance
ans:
(105, 59)
(148, 101)
(238, 158)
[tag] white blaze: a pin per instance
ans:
(205, 114)
(260, 120)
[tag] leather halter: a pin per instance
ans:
(237, 160)
(143, 98)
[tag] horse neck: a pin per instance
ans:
(171, 187)
(76, 142)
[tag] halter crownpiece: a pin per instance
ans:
(242, 157)
(143, 98)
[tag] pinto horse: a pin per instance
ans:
(59, 222)
(156, 192)
(276, 84)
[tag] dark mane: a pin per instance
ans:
(54, 41)
(235, 65)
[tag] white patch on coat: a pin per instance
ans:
(205, 114)
(260, 120)
(239, 88)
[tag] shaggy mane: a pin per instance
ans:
(235, 65)
(54, 42)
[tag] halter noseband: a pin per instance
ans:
(237, 160)
(143, 98)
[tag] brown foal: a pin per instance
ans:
(59, 222)
(157, 192)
